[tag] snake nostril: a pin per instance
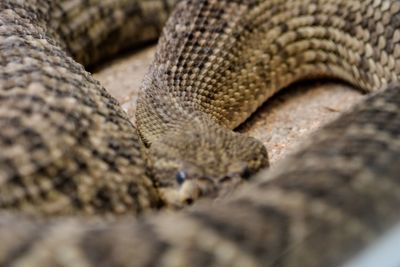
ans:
(246, 173)
(189, 201)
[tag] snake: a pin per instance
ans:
(81, 186)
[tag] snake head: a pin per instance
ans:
(202, 159)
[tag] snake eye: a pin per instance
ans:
(246, 173)
(180, 177)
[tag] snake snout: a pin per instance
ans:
(194, 189)
(189, 192)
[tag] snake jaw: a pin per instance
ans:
(194, 188)
(181, 197)
(188, 192)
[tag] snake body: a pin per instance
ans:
(66, 145)
(219, 60)
(68, 149)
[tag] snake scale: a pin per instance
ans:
(75, 174)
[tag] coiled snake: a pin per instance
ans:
(70, 156)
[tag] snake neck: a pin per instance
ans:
(248, 50)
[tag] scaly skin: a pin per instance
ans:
(66, 145)
(218, 61)
(318, 208)
(68, 149)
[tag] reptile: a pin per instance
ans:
(74, 176)
(218, 61)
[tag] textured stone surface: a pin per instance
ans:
(281, 123)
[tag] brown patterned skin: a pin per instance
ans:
(66, 144)
(94, 30)
(218, 61)
(67, 147)
(318, 208)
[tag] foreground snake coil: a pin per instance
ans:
(70, 157)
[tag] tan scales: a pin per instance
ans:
(68, 149)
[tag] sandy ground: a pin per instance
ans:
(282, 123)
